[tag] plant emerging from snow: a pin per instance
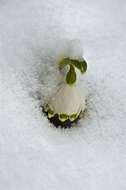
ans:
(67, 104)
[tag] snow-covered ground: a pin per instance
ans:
(33, 154)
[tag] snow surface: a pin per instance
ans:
(33, 154)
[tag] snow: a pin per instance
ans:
(34, 154)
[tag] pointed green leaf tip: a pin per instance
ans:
(71, 75)
(80, 64)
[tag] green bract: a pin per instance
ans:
(73, 63)
(64, 62)
(71, 75)
(81, 65)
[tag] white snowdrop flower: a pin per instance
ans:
(67, 103)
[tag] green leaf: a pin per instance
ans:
(71, 75)
(64, 62)
(81, 65)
